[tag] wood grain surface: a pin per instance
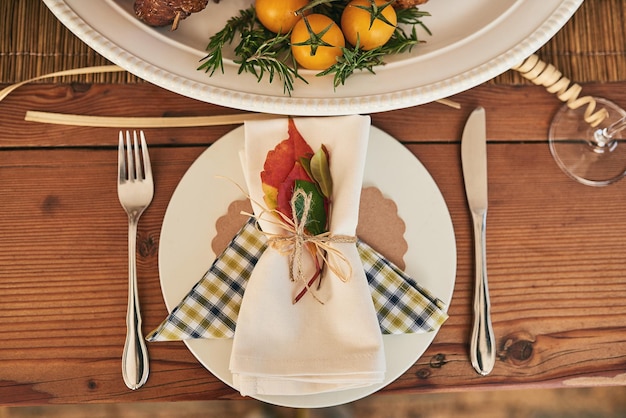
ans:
(556, 255)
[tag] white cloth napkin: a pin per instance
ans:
(281, 348)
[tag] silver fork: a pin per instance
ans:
(135, 189)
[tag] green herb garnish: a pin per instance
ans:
(261, 52)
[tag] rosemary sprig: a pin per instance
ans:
(260, 56)
(263, 53)
(401, 42)
(259, 51)
(413, 17)
(355, 59)
(214, 60)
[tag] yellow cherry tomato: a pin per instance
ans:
(356, 23)
(318, 57)
(279, 16)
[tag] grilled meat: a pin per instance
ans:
(405, 4)
(167, 12)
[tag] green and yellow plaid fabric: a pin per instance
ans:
(211, 307)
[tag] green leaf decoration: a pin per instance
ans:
(320, 171)
(317, 218)
(305, 162)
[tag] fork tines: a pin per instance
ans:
(133, 165)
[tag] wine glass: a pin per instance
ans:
(590, 153)
(585, 142)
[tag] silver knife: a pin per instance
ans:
(474, 159)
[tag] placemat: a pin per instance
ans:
(591, 47)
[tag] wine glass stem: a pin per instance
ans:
(615, 128)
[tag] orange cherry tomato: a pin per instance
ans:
(356, 23)
(322, 57)
(279, 16)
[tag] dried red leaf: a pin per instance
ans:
(282, 167)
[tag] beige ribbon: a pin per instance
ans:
(76, 71)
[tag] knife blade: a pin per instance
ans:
(474, 161)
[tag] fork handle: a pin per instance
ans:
(135, 366)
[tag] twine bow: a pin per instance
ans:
(297, 241)
(293, 243)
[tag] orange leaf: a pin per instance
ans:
(282, 160)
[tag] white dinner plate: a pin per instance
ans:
(201, 197)
(472, 42)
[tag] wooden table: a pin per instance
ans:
(556, 258)
(555, 249)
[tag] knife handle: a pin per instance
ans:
(482, 344)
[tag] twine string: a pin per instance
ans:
(296, 242)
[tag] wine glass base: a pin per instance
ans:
(579, 155)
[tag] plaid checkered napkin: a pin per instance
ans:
(211, 307)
